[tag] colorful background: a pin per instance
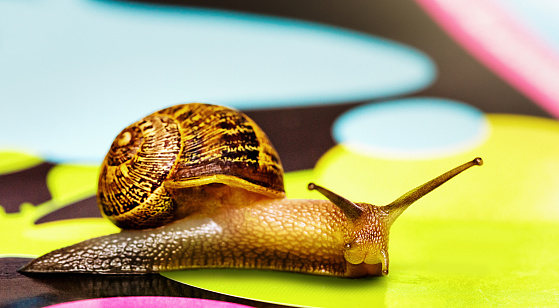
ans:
(368, 98)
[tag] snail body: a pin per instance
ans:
(222, 206)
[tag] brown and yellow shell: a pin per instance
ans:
(168, 164)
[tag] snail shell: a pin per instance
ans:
(205, 187)
(160, 168)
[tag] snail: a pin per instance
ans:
(201, 186)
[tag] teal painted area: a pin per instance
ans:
(412, 128)
(77, 71)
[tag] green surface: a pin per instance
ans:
(442, 264)
(489, 237)
(67, 183)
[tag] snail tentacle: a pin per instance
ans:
(398, 206)
(352, 210)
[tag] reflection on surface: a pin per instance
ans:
(41, 290)
(289, 288)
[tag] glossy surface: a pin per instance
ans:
(491, 263)
(487, 237)
(462, 252)
(439, 263)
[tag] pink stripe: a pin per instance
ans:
(503, 45)
(147, 301)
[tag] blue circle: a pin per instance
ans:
(412, 128)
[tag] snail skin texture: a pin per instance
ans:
(201, 186)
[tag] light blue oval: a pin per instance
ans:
(414, 128)
(73, 73)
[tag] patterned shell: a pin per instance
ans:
(180, 147)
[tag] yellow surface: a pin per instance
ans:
(519, 180)
(19, 236)
(489, 237)
(12, 161)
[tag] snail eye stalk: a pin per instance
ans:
(350, 209)
(398, 206)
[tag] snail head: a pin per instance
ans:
(366, 242)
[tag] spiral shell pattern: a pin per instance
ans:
(131, 192)
(183, 146)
